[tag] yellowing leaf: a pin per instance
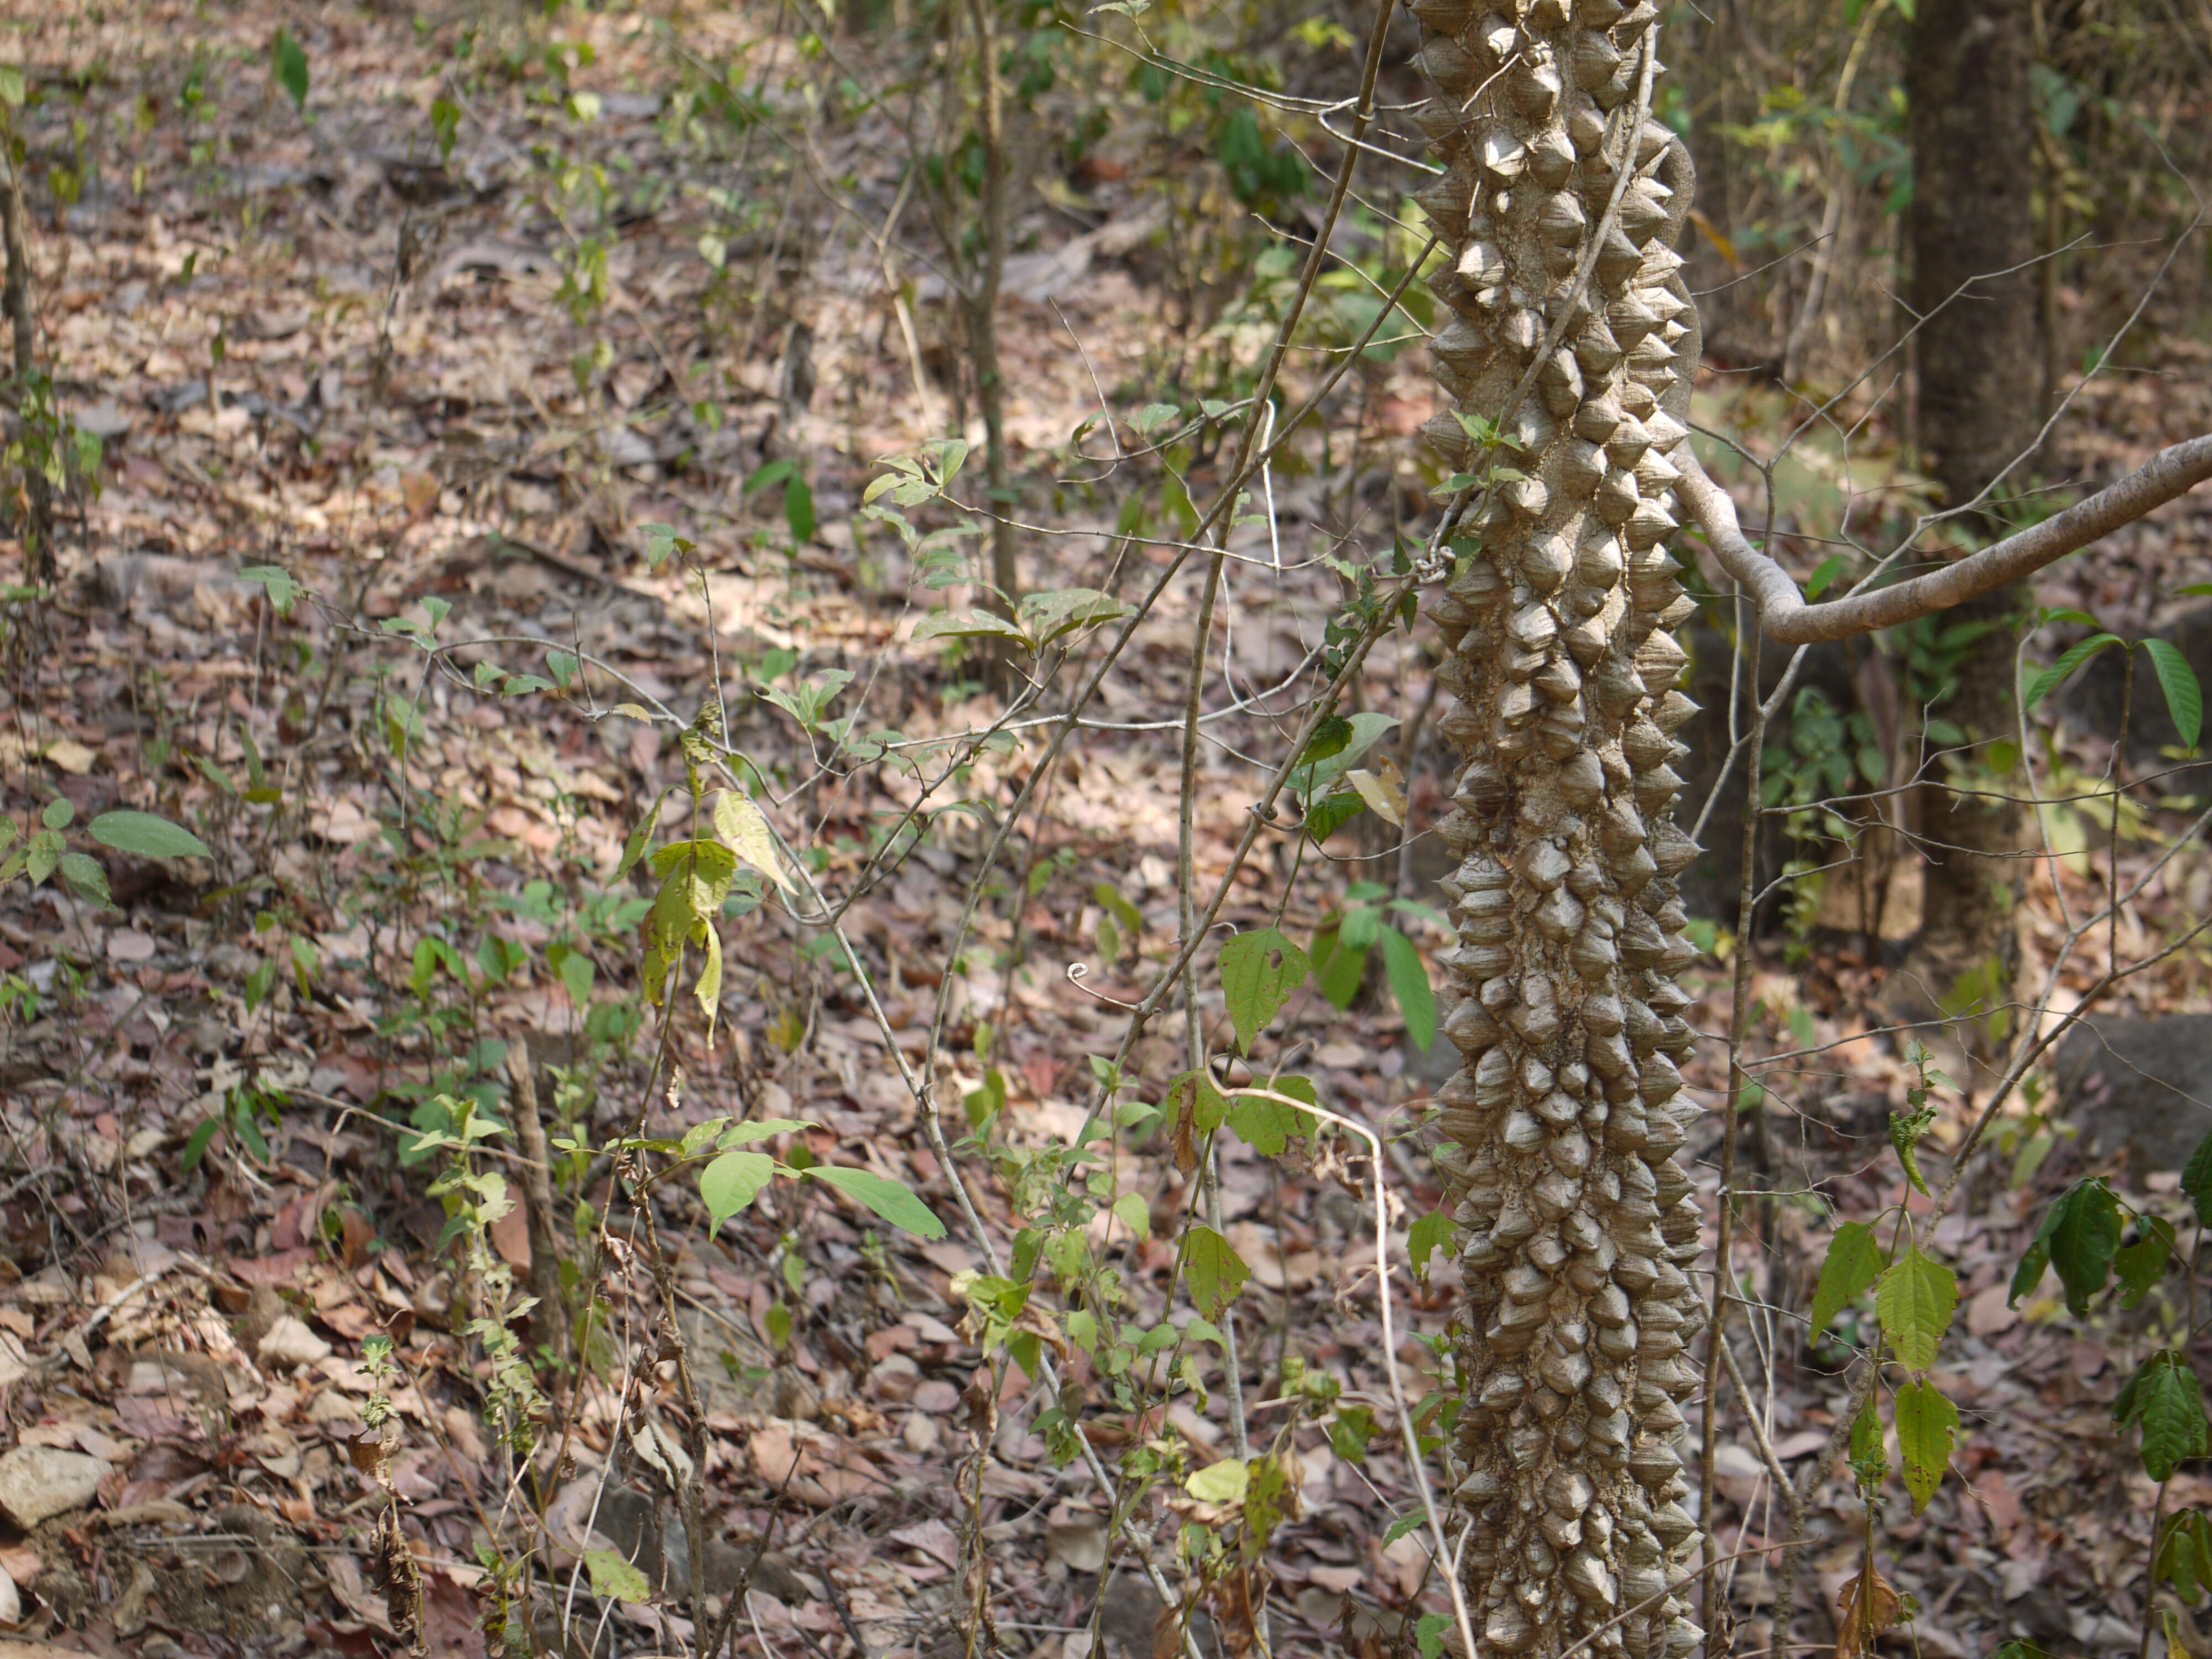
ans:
(745, 831)
(615, 1579)
(1384, 795)
(637, 712)
(1225, 1482)
(708, 990)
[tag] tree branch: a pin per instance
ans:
(1788, 620)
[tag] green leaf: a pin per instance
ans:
(1134, 1212)
(444, 126)
(1328, 738)
(284, 590)
(288, 65)
(1853, 1262)
(1927, 1429)
(1197, 1093)
(2184, 1559)
(1266, 1126)
(1407, 1524)
(1429, 1633)
(1870, 1461)
(614, 1579)
(60, 813)
(2085, 1234)
(2165, 1398)
(1225, 1482)
(1409, 980)
(2055, 676)
(1432, 1233)
(1918, 1296)
(1819, 582)
(2184, 698)
(2141, 1266)
(1259, 971)
(86, 879)
(147, 836)
(1153, 416)
(888, 1199)
(11, 93)
(1213, 1270)
(1046, 617)
(2197, 1180)
(1905, 1131)
(968, 625)
(1339, 965)
(732, 1182)
(798, 509)
(43, 854)
(761, 1129)
(196, 1148)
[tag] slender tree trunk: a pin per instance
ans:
(38, 528)
(1972, 227)
(1573, 330)
(983, 311)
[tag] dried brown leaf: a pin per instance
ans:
(1865, 1607)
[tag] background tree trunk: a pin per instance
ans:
(1575, 334)
(1972, 129)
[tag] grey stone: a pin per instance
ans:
(2141, 1087)
(37, 1482)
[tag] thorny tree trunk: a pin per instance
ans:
(1972, 133)
(1561, 1128)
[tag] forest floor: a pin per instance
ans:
(224, 306)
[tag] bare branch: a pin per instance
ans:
(1788, 620)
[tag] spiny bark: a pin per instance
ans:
(1576, 1221)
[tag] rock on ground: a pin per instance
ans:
(39, 1481)
(2139, 1086)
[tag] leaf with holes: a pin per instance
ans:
(1259, 971)
(2140, 1266)
(1432, 1233)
